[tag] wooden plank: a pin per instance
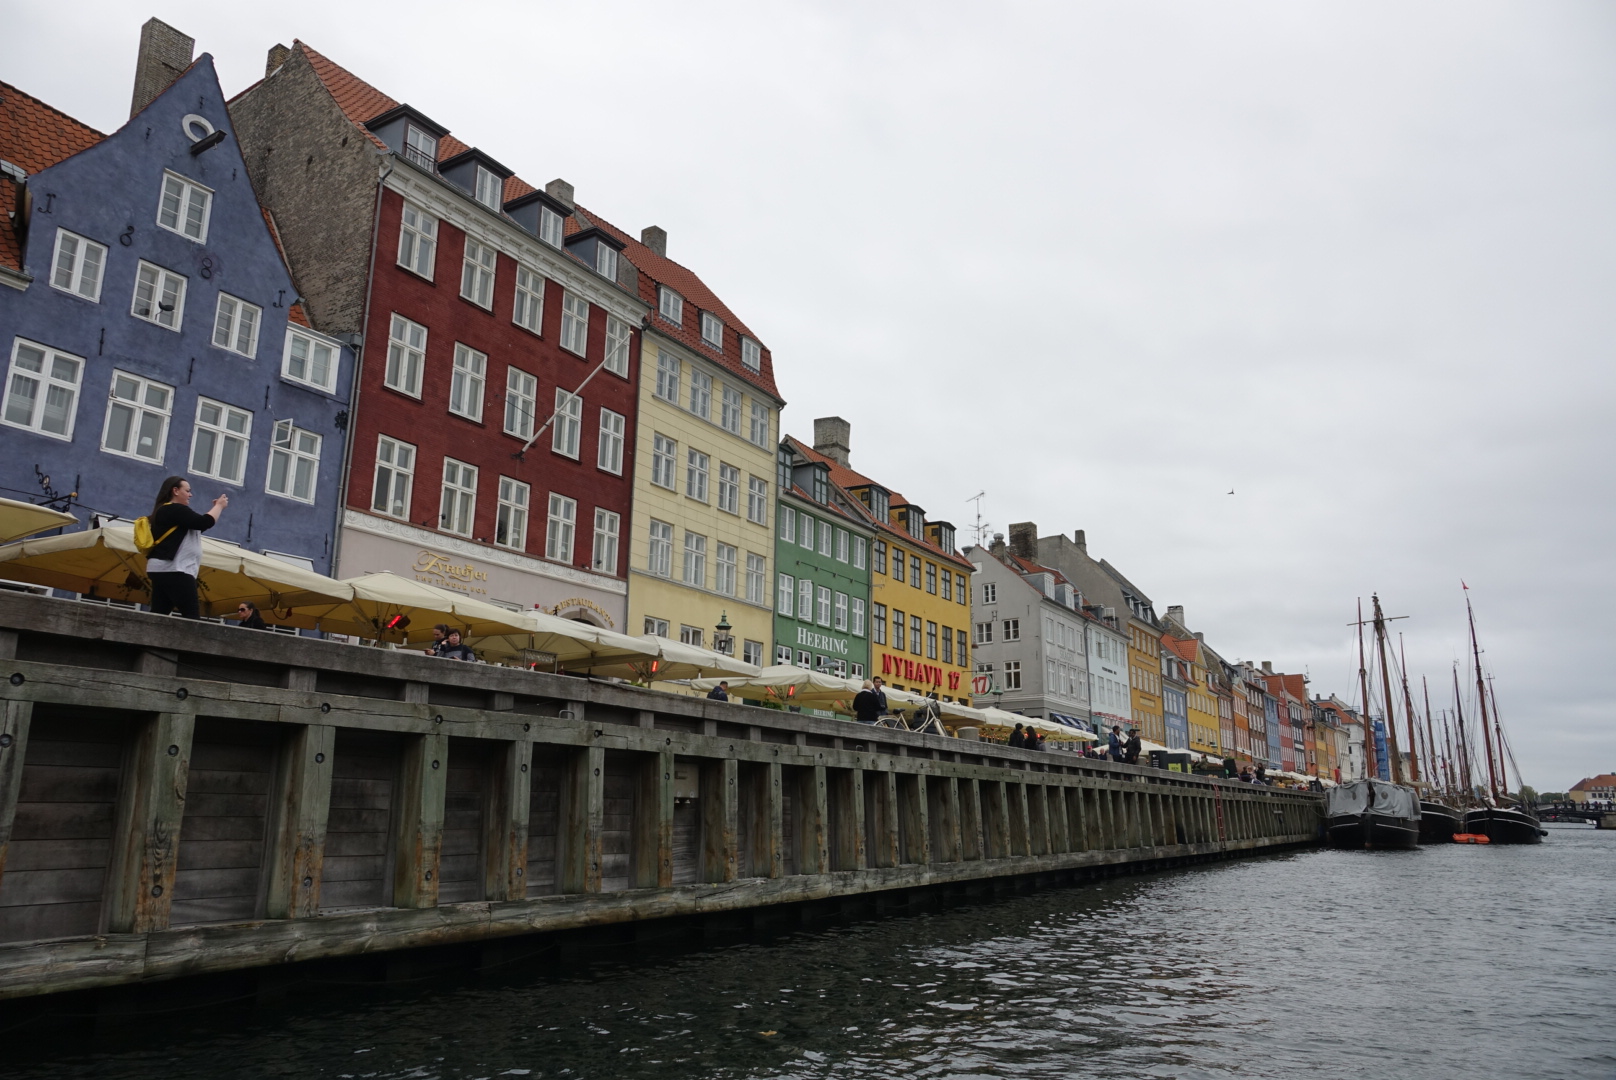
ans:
(720, 820)
(883, 786)
(915, 817)
(544, 818)
(812, 821)
(653, 824)
(509, 801)
(1037, 820)
(583, 809)
(1020, 835)
(970, 814)
(773, 819)
(845, 802)
(140, 882)
(15, 720)
(418, 820)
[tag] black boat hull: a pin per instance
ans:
(1504, 825)
(1373, 831)
(1438, 822)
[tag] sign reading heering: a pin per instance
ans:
(822, 642)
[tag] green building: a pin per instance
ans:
(822, 564)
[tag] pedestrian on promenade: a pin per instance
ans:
(1245, 775)
(439, 633)
(719, 692)
(1262, 775)
(1017, 739)
(176, 558)
(247, 615)
(1116, 742)
(870, 704)
(1035, 739)
(451, 647)
(1131, 753)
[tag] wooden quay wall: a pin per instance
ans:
(180, 798)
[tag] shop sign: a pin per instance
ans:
(436, 568)
(902, 667)
(823, 642)
(586, 604)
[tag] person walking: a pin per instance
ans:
(719, 692)
(175, 560)
(247, 615)
(1130, 752)
(1017, 739)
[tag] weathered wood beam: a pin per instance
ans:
(146, 838)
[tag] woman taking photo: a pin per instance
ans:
(176, 558)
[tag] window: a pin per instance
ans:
(822, 487)
(695, 560)
(406, 356)
(729, 410)
(418, 241)
(841, 545)
(757, 578)
(1012, 629)
(948, 645)
(857, 621)
(839, 612)
(568, 423)
(880, 556)
(466, 383)
(914, 634)
(477, 273)
(960, 593)
(550, 226)
(788, 523)
(990, 592)
(757, 500)
(724, 567)
(667, 376)
(420, 147)
(898, 624)
(984, 633)
(931, 640)
(858, 672)
(696, 474)
(823, 598)
(219, 444)
(712, 330)
(617, 337)
(701, 394)
(294, 462)
(77, 265)
(859, 551)
(729, 489)
(914, 570)
(782, 655)
(805, 600)
(574, 323)
(558, 531)
(758, 432)
(690, 635)
(664, 451)
(309, 360)
(510, 519)
(606, 261)
(931, 578)
(785, 592)
(660, 561)
(137, 417)
(459, 502)
(609, 452)
(878, 623)
(184, 207)
(752, 652)
(824, 538)
(607, 524)
(751, 354)
(961, 646)
(159, 296)
(521, 401)
(489, 188)
(1012, 675)
(805, 536)
(235, 325)
(42, 393)
(670, 305)
(948, 587)
(395, 472)
(656, 627)
(528, 312)
(897, 564)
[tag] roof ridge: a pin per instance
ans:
(51, 108)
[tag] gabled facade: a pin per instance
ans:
(1109, 697)
(1201, 720)
(823, 538)
(494, 434)
(1598, 789)
(151, 327)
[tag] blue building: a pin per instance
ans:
(151, 327)
(1271, 715)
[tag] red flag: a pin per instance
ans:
(1463, 586)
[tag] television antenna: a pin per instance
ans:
(980, 524)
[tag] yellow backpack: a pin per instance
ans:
(144, 541)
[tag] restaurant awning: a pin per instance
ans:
(20, 519)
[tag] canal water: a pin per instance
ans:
(1452, 962)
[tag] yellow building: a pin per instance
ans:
(701, 543)
(920, 586)
(1205, 723)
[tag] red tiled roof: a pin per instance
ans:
(1027, 566)
(360, 101)
(1603, 780)
(33, 136)
(1184, 648)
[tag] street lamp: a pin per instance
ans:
(723, 641)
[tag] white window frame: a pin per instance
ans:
(398, 475)
(990, 592)
(224, 434)
(856, 626)
(608, 524)
(478, 265)
(751, 355)
(788, 521)
(561, 526)
(609, 448)
(698, 466)
(521, 401)
(782, 655)
(712, 330)
(510, 518)
(822, 604)
(466, 382)
(664, 462)
(839, 613)
(729, 409)
(46, 381)
(312, 343)
(757, 578)
(701, 394)
(695, 564)
(757, 500)
(490, 189)
(656, 627)
(752, 652)
(1011, 629)
(457, 502)
(574, 323)
(1012, 675)
(138, 408)
(618, 337)
(667, 376)
(726, 567)
(659, 551)
(73, 271)
(164, 283)
(405, 359)
(670, 305)
(759, 424)
(237, 321)
(785, 595)
(841, 545)
(528, 309)
(417, 241)
(187, 189)
(288, 445)
(805, 600)
(567, 431)
(729, 489)
(860, 551)
(825, 539)
(551, 227)
(420, 147)
(606, 261)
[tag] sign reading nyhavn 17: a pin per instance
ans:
(901, 667)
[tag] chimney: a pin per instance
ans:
(165, 53)
(277, 57)
(1080, 540)
(1176, 613)
(561, 192)
(1024, 540)
(1268, 667)
(833, 437)
(996, 549)
(656, 238)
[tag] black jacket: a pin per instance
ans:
(717, 693)
(1132, 750)
(868, 706)
(181, 519)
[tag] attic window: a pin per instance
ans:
(878, 503)
(420, 147)
(821, 485)
(751, 354)
(945, 537)
(670, 305)
(488, 188)
(549, 226)
(606, 261)
(712, 330)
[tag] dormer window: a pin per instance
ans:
(879, 505)
(420, 147)
(549, 226)
(670, 305)
(606, 261)
(712, 330)
(751, 354)
(945, 536)
(489, 188)
(821, 485)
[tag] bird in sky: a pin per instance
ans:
(1231, 491)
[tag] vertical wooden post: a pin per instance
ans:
(970, 796)
(720, 819)
(651, 863)
(996, 818)
(1037, 820)
(886, 829)
(1020, 836)
(916, 819)
(146, 840)
(950, 826)
(774, 823)
(847, 817)
(1058, 824)
(15, 719)
(505, 821)
(297, 833)
(583, 807)
(418, 826)
(812, 814)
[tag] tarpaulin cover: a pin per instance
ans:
(1373, 795)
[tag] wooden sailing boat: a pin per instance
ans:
(1501, 818)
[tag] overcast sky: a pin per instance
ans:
(1107, 262)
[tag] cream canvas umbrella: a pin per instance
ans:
(20, 519)
(387, 607)
(569, 644)
(674, 660)
(791, 685)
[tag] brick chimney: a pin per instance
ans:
(1176, 613)
(1024, 540)
(996, 549)
(1080, 540)
(561, 191)
(165, 53)
(1268, 667)
(833, 437)
(656, 238)
(277, 56)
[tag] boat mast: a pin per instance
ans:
(1392, 749)
(1498, 726)
(1430, 732)
(1464, 743)
(1408, 713)
(1481, 695)
(1451, 763)
(1371, 762)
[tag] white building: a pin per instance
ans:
(1109, 699)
